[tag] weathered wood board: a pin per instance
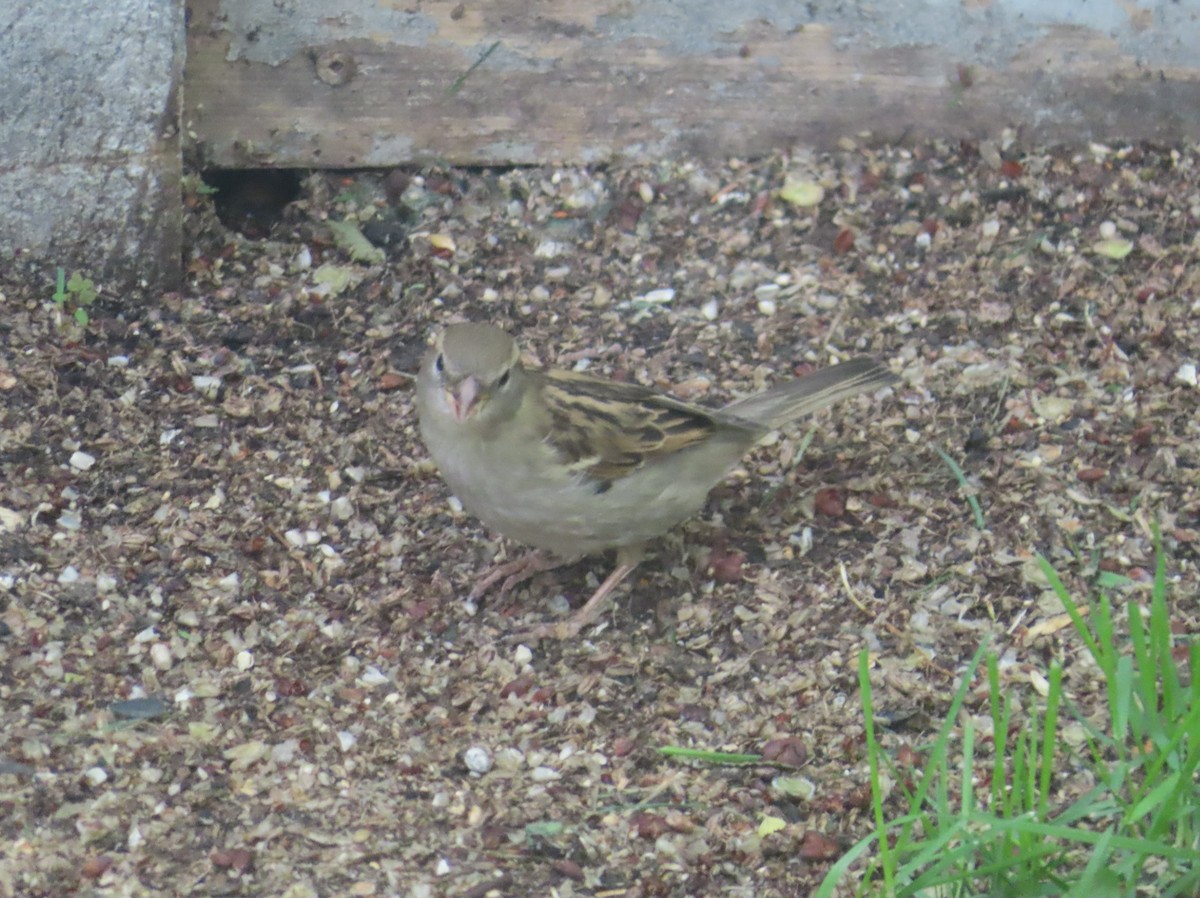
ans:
(342, 84)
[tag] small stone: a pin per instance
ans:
(549, 249)
(342, 508)
(373, 676)
(81, 461)
(95, 776)
(478, 759)
(160, 656)
(70, 520)
(206, 385)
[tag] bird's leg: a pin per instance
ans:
(628, 558)
(513, 573)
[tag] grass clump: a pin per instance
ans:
(1135, 830)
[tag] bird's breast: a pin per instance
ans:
(520, 489)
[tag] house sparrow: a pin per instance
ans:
(572, 464)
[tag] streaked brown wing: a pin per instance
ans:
(607, 429)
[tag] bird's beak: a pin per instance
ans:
(464, 399)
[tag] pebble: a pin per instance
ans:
(478, 759)
(160, 656)
(206, 385)
(373, 676)
(342, 508)
(81, 461)
(95, 775)
(549, 249)
(660, 296)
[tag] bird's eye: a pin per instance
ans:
(503, 381)
(438, 365)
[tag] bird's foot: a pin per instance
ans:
(571, 627)
(513, 573)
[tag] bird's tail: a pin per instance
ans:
(811, 393)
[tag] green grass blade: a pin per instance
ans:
(961, 477)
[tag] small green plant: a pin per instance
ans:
(75, 295)
(1134, 831)
(195, 184)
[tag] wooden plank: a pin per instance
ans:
(564, 82)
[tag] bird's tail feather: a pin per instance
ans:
(811, 393)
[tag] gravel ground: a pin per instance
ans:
(235, 652)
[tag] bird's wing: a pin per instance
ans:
(607, 430)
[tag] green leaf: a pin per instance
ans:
(339, 278)
(543, 829)
(1109, 580)
(60, 288)
(350, 239)
(1113, 248)
(794, 786)
(82, 289)
(713, 757)
(770, 825)
(802, 193)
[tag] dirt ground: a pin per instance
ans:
(236, 656)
